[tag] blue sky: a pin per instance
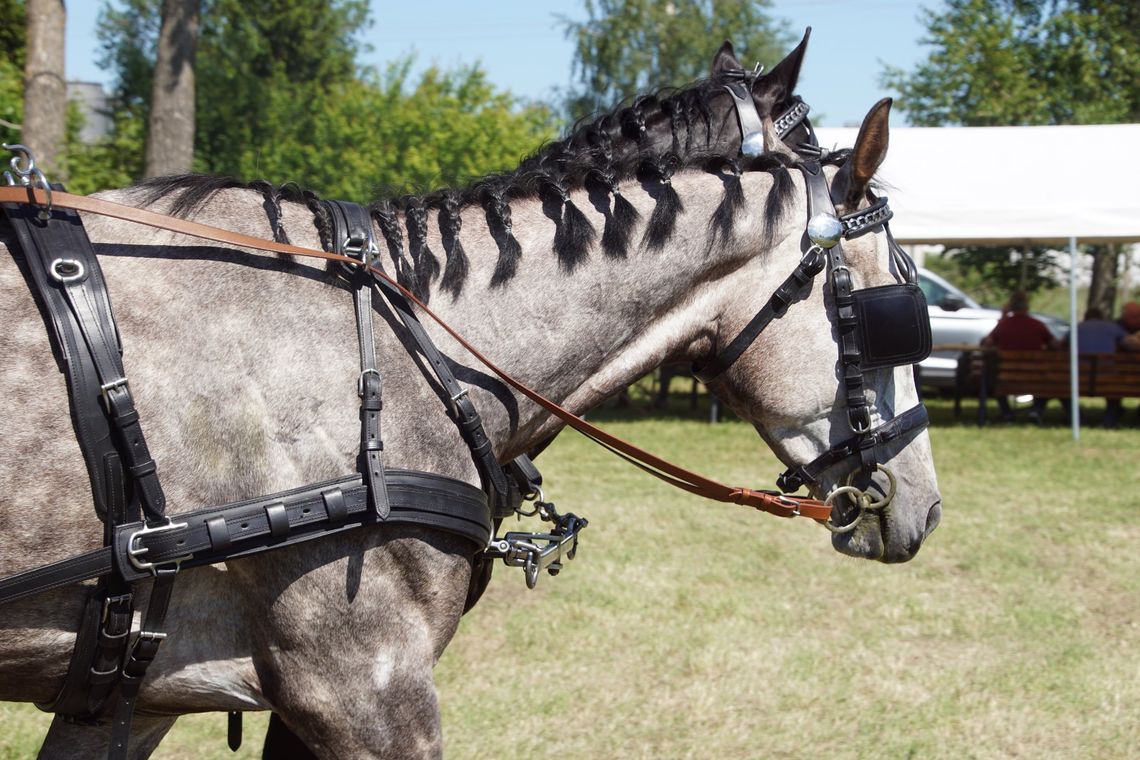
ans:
(521, 46)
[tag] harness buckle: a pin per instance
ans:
(135, 551)
(859, 419)
(362, 248)
(360, 379)
(106, 388)
(454, 400)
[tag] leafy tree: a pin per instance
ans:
(1019, 62)
(170, 129)
(281, 97)
(630, 46)
(12, 36)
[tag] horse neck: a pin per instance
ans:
(580, 336)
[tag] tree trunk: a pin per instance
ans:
(170, 138)
(45, 95)
(1102, 288)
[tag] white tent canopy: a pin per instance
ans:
(998, 185)
(1013, 185)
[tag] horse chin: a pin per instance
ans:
(879, 537)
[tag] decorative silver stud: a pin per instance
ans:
(824, 230)
(753, 144)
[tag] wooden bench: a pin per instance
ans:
(1045, 374)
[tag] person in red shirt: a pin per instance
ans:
(1017, 331)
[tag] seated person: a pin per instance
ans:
(1018, 331)
(1097, 335)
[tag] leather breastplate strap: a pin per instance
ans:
(352, 236)
(65, 278)
(215, 534)
(68, 284)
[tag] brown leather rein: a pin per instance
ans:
(765, 501)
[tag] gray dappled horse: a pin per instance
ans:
(244, 367)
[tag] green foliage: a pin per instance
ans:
(280, 97)
(990, 278)
(1011, 62)
(12, 34)
(113, 161)
(11, 100)
(128, 37)
(630, 46)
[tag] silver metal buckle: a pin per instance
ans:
(107, 387)
(360, 379)
(135, 552)
(455, 400)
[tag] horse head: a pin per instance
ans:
(851, 429)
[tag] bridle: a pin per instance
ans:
(880, 327)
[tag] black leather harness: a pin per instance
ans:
(142, 543)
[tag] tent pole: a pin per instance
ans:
(1074, 366)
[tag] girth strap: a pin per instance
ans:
(142, 654)
(352, 236)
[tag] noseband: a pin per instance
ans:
(880, 327)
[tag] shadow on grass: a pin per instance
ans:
(942, 414)
(640, 403)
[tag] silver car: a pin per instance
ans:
(955, 318)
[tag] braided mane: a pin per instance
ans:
(597, 155)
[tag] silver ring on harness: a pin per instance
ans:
(65, 271)
(535, 496)
(863, 501)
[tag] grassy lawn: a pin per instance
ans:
(692, 629)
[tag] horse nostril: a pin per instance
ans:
(933, 517)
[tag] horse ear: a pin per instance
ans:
(784, 75)
(851, 182)
(725, 60)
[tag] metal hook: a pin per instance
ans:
(31, 176)
(24, 153)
